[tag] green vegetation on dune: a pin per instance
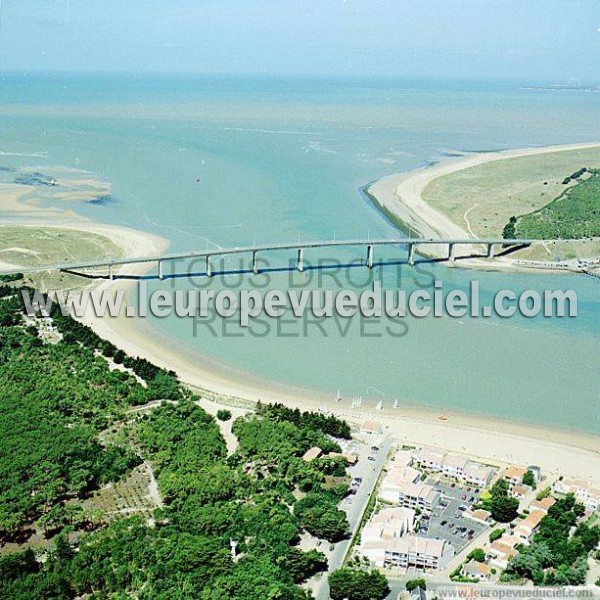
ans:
(54, 401)
(66, 430)
(575, 214)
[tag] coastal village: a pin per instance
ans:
(429, 517)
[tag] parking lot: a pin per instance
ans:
(447, 521)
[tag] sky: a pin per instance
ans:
(538, 40)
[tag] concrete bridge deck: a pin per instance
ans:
(410, 243)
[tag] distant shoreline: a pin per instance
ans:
(399, 197)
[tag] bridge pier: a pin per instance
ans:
(110, 268)
(451, 254)
(255, 262)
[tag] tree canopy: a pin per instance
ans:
(229, 526)
(355, 584)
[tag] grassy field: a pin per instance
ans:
(483, 198)
(574, 214)
(39, 246)
(556, 251)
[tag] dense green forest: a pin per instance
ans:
(57, 402)
(54, 402)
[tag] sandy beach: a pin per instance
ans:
(400, 196)
(556, 451)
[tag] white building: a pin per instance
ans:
(411, 551)
(453, 465)
(543, 505)
(411, 495)
(527, 527)
(388, 523)
(520, 491)
(502, 550)
(514, 474)
(584, 491)
(402, 458)
(478, 515)
(371, 428)
(478, 475)
(394, 480)
(402, 485)
(431, 458)
(477, 570)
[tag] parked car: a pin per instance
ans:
(371, 458)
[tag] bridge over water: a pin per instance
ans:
(491, 247)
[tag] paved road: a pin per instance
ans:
(369, 471)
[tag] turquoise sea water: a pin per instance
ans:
(283, 159)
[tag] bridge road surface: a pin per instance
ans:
(370, 474)
(300, 247)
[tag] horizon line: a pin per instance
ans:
(572, 82)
